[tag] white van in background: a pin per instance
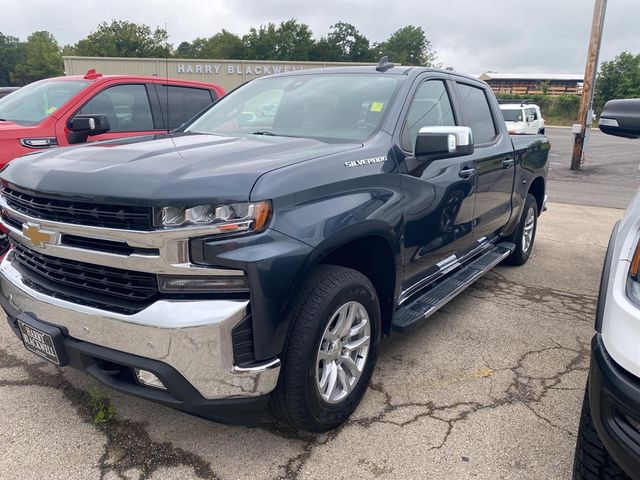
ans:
(522, 117)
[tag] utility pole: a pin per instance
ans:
(589, 81)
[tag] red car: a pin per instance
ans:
(69, 110)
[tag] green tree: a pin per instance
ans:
(350, 44)
(224, 45)
(185, 50)
(294, 41)
(618, 78)
(42, 59)
(289, 40)
(12, 52)
(324, 50)
(123, 39)
(261, 42)
(409, 46)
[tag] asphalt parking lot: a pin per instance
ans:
(490, 387)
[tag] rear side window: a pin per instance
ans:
(184, 103)
(430, 107)
(476, 113)
(126, 107)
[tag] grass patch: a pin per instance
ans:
(100, 406)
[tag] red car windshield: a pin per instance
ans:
(35, 102)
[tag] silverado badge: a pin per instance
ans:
(38, 237)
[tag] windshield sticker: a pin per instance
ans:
(365, 161)
(377, 106)
(51, 110)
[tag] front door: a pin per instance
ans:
(493, 159)
(439, 195)
(126, 106)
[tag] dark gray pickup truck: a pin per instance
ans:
(256, 256)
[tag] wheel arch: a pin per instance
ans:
(537, 189)
(374, 252)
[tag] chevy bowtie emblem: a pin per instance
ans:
(38, 237)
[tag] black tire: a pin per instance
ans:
(592, 461)
(296, 399)
(541, 131)
(521, 254)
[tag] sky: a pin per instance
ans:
(473, 36)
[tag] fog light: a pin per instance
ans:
(197, 284)
(148, 379)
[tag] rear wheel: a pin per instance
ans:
(331, 350)
(525, 233)
(592, 461)
(541, 131)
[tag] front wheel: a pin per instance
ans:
(331, 350)
(525, 233)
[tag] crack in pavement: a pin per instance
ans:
(519, 391)
(496, 288)
(128, 444)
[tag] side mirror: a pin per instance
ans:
(86, 125)
(444, 142)
(621, 118)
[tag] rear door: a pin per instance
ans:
(177, 104)
(438, 196)
(493, 158)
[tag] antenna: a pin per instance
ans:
(384, 64)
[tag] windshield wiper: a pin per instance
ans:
(266, 133)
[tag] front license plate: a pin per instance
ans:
(39, 342)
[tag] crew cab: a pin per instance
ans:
(51, 112)
(608, 443)
(522, 117)
(256, 256)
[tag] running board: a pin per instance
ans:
(427, 304)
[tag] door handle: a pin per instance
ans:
(507, 163)
(466, 172)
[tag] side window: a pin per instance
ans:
(476, 113)
(430, 107)
(534, 113)
(184, 103)
(126, 106)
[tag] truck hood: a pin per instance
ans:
(156, 170)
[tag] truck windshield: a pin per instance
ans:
(35, 102)
(331, 107)
(512, 115)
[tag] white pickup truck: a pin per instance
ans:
(523, 117)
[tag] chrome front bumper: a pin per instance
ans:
(194, 337)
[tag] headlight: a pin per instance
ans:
(229, 218)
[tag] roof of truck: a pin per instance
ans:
(372, 69)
